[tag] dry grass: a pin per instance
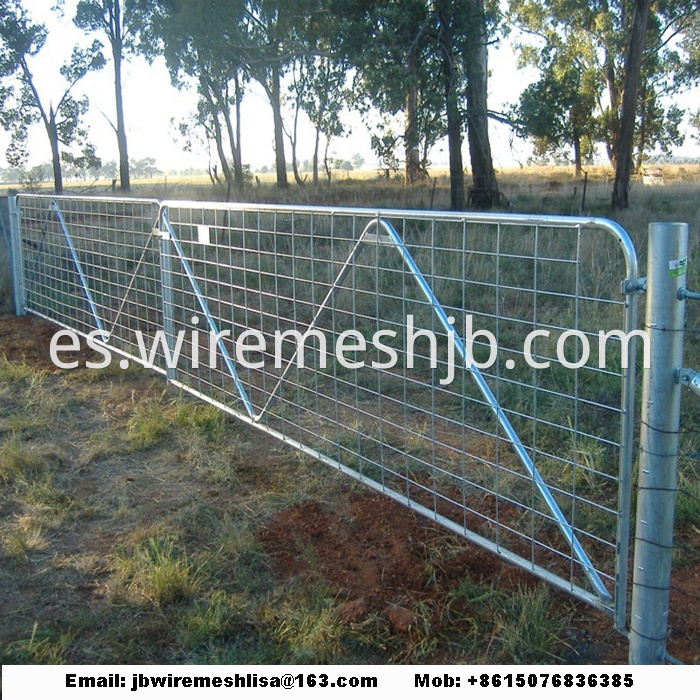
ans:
(157, 542)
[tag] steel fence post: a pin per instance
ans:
(658, 453)
(18, 288)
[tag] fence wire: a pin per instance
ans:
(312, 324)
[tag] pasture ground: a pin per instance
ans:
(138, 525)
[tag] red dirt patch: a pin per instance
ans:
(29, 338)
(383, 559)
(376, 551)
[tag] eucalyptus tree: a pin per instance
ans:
(220, 42)
(118, 21)
(391, 45)
(320, 90)
(276, 35)
(479, 21)
(628, 112)
(651, 28)
(428, 62)
(21, 102)
(580, 36)
(202, 44)
(625, 53)
(317, 79)
(463, 29)
(557, 113)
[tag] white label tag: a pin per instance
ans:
(203, 234)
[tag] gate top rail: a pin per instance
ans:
(510, 219)
(87, 198)
(552, 221)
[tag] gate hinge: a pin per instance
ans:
(690, 378)
(687, 294)
(634, 286)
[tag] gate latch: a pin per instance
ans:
(690, 378)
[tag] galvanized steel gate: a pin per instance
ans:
(362, 338)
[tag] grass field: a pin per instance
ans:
(140, 526)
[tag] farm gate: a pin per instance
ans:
(458, 363)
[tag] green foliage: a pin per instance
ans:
(557, 112)
(322, 94)
(398, 59)
(581, 49)
(21, 104)
(695, 123)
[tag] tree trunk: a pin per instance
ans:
(52, 132)
(124, 178)
(316, 149)
(454, 118)
(411, 137)
(293, 140)
(234, 142)
(454, 140)
(238, 151)
(484, 193)
(326, 162)
(633, 65)
(578, 166)
(275, 102)
(218, 135)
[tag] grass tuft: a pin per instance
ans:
(12, 372)
(25, 537)
(309, 633)
(687, 513)
(41, 648)
(215, 619)
(201, 420)
(18, 460)
(157, 572)
(149, 424)
(528, 629)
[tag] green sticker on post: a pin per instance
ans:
(678, 268)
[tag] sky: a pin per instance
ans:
(153, 108)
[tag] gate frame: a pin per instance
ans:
(630, 288)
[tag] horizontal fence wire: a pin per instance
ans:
(339, 331)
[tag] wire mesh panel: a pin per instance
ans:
(93, 265)
(454, 362)
(350, 333)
